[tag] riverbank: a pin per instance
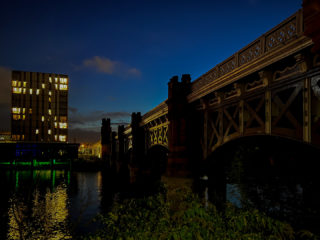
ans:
(176, 213)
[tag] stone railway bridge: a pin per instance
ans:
(271, 87)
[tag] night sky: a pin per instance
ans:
(120, 55)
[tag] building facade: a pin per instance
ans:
(39, 107)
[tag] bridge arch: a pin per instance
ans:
(277, 175)
(157, 158)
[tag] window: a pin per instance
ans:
(42, 119)
(24, 91)
(30, 110)
(49, 111)
(62, 138)
(23, 117)
(24, 84)
(63, 118)
(55, 80)
(43, 85)
(50, 93)
(16, 116)
(38, 91)
(63, 87)
(37, 131)
(63, 80)
(56, 86)
(55, 124)
(17, 90)
(56, 137)
(30, 90)
(49, 131)
(23, 110)
(16, 110)
(14, 83)
(50, 79)
(63, 125)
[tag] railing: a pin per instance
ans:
(161, 108)
(288, 30)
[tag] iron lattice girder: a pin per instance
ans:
(284, 107)
(158, 135)
(241, 111)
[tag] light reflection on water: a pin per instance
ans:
(48, 204)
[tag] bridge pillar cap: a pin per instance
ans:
(174, 79)
(186, 78)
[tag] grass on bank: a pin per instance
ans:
(178, 214)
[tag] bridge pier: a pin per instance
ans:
(178, 116)
(106, 142)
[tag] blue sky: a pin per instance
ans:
(120, 54)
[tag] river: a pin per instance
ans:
(53, 204)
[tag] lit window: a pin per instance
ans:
(42, 119)
(49, 131)
(50, 79)
(49, 111)
(56, 80)
(17, 90)
(62, 138)
(14, 83)
(55, 124)
(16, 110)
(37, 131)
(16, 116)
(55, 118)
(23, 110)
(49, 99)
(24, 84)
(43, 85)
(30, 110)
(38, 91)
(22, 137)
(63, 125)
(63, 80)
(24, 91)
(56, 86)
(63, 87)
(55, 137)
(19, 84)
(50, 93)
(23, 117)
(30, 90)
(63, 118)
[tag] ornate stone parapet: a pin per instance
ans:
(311, 20)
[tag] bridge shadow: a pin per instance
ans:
(275, 175)
(157, 159)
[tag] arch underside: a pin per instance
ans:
(157, 158)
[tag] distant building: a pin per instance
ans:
(39, 110)
(5, 136)
(90, 151)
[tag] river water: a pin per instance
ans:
(61, 204)
(53, 204)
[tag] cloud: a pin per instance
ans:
(78, 135)
(87, 127)
(5, 94)
(76, 117)
(110, 67)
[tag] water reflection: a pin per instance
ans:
(45, 217)
(276, 176)
(49, 204)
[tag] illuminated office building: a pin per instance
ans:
(39, 107)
